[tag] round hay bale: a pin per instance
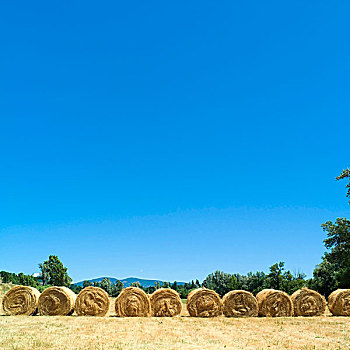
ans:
(204, 302)
(165, 302)
(56, 301)
(92, 301)
(132, 302)
(21, 300)
(240, 303)
(274, 303)
(339, 302)
(307, 302)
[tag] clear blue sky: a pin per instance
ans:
(169, 139)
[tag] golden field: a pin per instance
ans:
(43, 332)
(73, 332)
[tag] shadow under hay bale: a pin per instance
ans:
(307, 302)
(56, 301)
(204, 302)
(339, 302)
(240, 303)
(132, 302)
(274, 303)
(21, 300)
(92, 301)
(165, 302)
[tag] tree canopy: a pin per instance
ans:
(345, 174)
(54, 273)
(334, 270)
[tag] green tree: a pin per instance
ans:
(21, 278)
(275, 277)
(26, 280)
(136, 284)
(220, 282)
(291, 283)
(116, 288)
(76, 289)
(334, 270)
(338, 244)
(256, 282)
(324, 278)
(54, 273)
(345, 174)
(106, 285)
(86, 284)
(174, 286)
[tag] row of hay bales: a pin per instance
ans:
(202, 302)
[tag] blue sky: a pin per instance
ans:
(168, 140)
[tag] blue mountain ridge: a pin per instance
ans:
(127, 281)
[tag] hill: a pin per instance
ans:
(127, 281)
(4, 287)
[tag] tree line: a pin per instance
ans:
(333, 272)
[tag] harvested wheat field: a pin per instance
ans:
(59, 332)
(180, 332)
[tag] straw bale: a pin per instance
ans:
(165, 302)
(204, 302)
(307, 302)
(240, 303)
(132, 302)
(274, 303)
(339, 302)
(21, 300)
(56, 301)
(92, 301)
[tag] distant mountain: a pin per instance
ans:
(127, 281)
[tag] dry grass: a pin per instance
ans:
(58, 332)
(97, 333)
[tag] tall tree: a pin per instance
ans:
(106, 285)
(338, 243)
(116, 288)
(54, 273)
(324, 278)
(334, 270)
(275, 277)
(345, 174)
(174, 286)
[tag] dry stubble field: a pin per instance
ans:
(39, 332)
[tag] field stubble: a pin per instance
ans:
(73, 332)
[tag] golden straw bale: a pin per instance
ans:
(165, 302)
(204, 302)
(21, 300)
(132, 302)
(92, 301)
(240, 303)
(56, 301)
(339, 302)
(308, 302)
(274, 303)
